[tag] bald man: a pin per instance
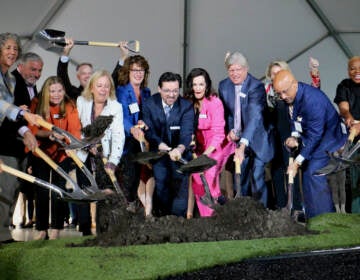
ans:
(316, 130)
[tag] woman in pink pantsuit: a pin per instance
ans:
(209, 134)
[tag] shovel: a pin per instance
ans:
(32, 179)
(338, 163)
(207, 198)
(290, 187)
(88, 194)
(54, 40)
(74, 143)
(114, 181)
(238, 178)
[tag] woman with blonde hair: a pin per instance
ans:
(99, 99)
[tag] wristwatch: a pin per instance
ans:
(20, 115)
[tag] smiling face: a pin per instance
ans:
(136, 75)
(31, 71)
(169, 92)
(237, 73)
(101, 89)
(9, 54)
(354, 69)
(57, 93)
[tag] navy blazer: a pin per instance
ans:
(318, 123)
(179, 126)
(256, 127)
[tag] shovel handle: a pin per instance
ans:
(291, 175)
(237, 166)
(17, 173)
(75, 158)
(135, 48)
(46, 158)
(45, 124)
(352, 135)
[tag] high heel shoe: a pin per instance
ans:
(42, 235)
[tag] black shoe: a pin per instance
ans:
(29, 225)
(9, 241)
(87, 233)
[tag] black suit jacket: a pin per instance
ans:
(12, 144)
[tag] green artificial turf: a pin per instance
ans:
(53, 260)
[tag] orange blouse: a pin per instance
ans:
(70, 123)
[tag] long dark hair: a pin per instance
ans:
(189, 92)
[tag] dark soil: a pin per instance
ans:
(239, 219)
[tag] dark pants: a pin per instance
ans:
(43, 171)
(171, 188)
(317, 192)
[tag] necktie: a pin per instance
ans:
(167, 109)
(291, 111)
(237, 119)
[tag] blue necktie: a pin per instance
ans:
(167, 109)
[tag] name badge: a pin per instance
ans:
(242, 95)
(134, 108)
(298, 126)
(343, 128)
(56, 116)
(202, 116)
(174, 127)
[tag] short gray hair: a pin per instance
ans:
(235, 58)
(30, 56)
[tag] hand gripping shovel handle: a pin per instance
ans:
(114, 181)
(74, 142)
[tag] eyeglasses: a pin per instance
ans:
(174, 91)
(137, 71)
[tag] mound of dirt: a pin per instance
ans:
(239, 219)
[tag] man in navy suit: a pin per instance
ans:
(316, 130)
(244, 100)
(170, 121)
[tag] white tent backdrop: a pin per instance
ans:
(264, 30)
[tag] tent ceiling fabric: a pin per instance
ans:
(267, 30)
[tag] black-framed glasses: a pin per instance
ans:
(174, 91)
(142, 71)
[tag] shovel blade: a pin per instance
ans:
(207, 200)
(331, 167)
